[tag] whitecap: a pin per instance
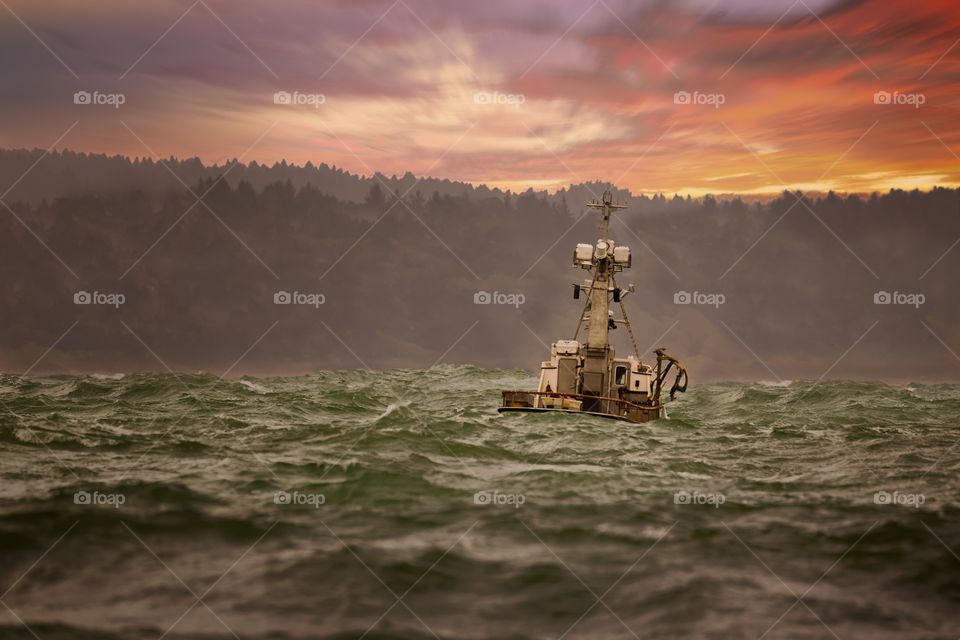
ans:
(108, 376)
(775, 383)
(253, 386)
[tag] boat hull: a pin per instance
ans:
(532, 401)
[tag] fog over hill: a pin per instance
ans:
(782, 289)
(69, 173)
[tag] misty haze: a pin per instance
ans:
(398, 277)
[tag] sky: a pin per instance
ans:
(690, 97)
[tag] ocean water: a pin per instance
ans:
(401, 505)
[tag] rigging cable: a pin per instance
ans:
(626, 320)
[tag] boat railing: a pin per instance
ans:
(585, 402)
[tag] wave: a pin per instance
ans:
(318, 482)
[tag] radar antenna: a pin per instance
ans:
(606, 205)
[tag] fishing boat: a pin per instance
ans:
(588, 377)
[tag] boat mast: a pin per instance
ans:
(598, 329)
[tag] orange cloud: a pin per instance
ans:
(513, 95)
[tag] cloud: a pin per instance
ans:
(597, 84)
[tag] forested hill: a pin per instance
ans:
(777, 290)
(68, 173)
(36, 174)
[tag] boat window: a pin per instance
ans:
(620, 377)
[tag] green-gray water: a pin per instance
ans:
(798, 510)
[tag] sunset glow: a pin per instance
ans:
(781, 94)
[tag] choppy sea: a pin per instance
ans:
(400, 504)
